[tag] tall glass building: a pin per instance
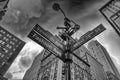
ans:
(111, 12)
(101, 54)
(10, 46)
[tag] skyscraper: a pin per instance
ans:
(101, 54)
(80, 66)
(96, 69)
(111, 12)
(10, 46)
(47, 67)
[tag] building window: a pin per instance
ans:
(5, 50)
(3, 32)
(11, 42)
(2, 55)
(8, 46)
(5, 38)
(14, 39)
(19, 42)
(11, 53)
(9, 36)
(7, 58)
(2, 42)
(17, 45)
(3, 63)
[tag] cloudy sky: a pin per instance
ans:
(22, 15)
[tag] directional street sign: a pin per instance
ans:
(40, 39)
(49, 36)
(63, 50)
(88, 36)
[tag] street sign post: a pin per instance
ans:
(88, 36)
(40, 39)
(69, 45)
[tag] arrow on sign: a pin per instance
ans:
(88, 36)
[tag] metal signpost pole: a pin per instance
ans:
(49, 42)
(66, 53)
(67, 60)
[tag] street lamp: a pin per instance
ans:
(69, 28)
(56, 7)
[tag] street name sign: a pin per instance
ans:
(88, 36)
(49, 37)
(40, 39)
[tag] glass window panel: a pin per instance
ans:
(9, 36)
(117, 21)
(108, 13)
(11, 42)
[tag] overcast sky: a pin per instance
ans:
(22, 15)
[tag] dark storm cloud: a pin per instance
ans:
(80, 7)
(16, 20)
(25, 62)
(21, 22)
(72, 8)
